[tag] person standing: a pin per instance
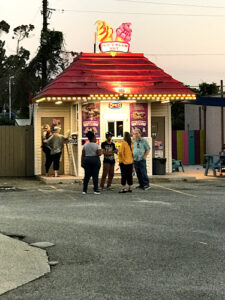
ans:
(126, 163)
(45, 136)
(140, 153)
(222, 159)
(56, 143)
(90, 161)
(108, 149)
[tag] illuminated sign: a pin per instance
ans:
(105, 36)
(122, 90)
(115, 105)
(114, 47)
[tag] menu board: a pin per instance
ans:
(91, 118)
(139, 117)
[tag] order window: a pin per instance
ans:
(116, 127)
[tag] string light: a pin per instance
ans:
(119, 97)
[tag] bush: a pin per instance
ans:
(6, 121)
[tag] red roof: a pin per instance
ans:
(101, 73)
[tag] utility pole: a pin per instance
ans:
(44, 34)
(10, 97)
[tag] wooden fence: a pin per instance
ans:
(188, 146)
(16, 151)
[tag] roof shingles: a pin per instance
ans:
(98, 73)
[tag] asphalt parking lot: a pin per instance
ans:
(165, 243)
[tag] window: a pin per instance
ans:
(116, 127)
(119, 128)
(111, 127)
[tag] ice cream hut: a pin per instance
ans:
(113, 90)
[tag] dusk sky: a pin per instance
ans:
(164, 30)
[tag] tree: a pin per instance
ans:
(12, 65)
(20, 33)
(208, 89)
(27, 74)
(177, 112)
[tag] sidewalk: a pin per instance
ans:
(190, 174)
(20, 263)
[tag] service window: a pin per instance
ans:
(119, 128)
(116, 127)
(111, 127)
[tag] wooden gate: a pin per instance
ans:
(16, 151)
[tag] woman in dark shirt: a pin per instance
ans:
(90, 162)
(45, 136)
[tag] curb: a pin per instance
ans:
(116, 180)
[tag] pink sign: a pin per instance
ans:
(139, 117)
(91, 118)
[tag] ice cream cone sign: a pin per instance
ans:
(104, 31)
(105, 37)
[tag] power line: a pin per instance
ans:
(134, 13)
(185, 54)
(171, 4)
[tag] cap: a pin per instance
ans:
(56, 128)
(108, 133)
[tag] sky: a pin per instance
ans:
(183, 37)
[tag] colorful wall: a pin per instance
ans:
(188, 146)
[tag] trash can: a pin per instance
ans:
(159, 166)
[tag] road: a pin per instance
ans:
(165, 243)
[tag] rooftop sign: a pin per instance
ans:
(105, 36)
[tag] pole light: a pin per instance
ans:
(10, 97)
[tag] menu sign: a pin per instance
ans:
(91, 118)
(139, 117)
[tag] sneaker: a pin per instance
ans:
(84, 193)
(97, 192)
(122, 191)
(148, 187)
(139, 187)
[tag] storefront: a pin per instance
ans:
(105, 92)
(113, 90)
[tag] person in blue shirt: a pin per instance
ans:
(140, 153)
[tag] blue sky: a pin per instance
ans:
(163, 30)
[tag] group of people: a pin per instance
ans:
(52, 145)
(132, 156)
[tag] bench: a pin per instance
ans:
(216, 162)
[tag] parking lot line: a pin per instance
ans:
(53, 187)
(175, 191)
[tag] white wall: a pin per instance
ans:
(213, 130)
(164, 110)
(213, 125)
(191, 116)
